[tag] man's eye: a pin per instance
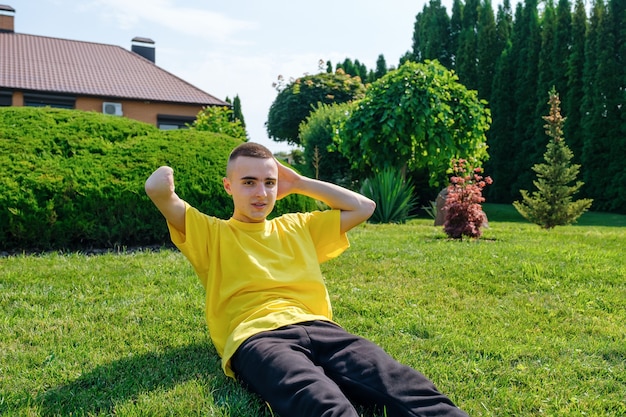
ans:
(270, 183)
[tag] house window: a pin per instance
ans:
(49, 100)
(167, 122)
(6, 98)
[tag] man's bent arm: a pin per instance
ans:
(355, 208)
(160, 188)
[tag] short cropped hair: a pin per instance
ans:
(250, 149)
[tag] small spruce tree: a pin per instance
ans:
(551, 205)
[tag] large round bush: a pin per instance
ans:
(75, 180)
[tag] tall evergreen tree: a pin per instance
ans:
(381, 67)
(620, 177)
(503, 149)
(505, 140)
(529, 40)
(603, 143)
(562, 46)
(546, 68)
(591, 104)
(417, 49)
(348, 67)
(574, 96)
(504, 25)
(489, 49)
(237, 112)
(466, 60)
(456, 24)
(360, 70)
(615, 70)
(503, 107)
(431, 35)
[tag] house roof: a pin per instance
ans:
(39, 63)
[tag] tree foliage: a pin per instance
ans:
(574, 87)
(301, 96)
(466, 62)
(381, 67)
(575, 46)
(418, 116)
(488, 49)
(218, 119)
(527, 143)
(431, 34)
(322, 158)
(551, 205)
(237, 111)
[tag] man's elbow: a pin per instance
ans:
(152, 190)
(160, 184)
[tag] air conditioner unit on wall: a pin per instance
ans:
(114, 109)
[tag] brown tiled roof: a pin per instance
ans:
(39, 63)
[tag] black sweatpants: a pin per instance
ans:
(316, 368)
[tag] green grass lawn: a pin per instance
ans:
(523, 322)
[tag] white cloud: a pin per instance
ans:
(202, 23)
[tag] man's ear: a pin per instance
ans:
(226, 183)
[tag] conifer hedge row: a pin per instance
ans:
(73, 180)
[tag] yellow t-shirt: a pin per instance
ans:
(260, 276)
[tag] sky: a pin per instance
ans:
(236, 47)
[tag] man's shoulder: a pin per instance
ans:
(197, 215)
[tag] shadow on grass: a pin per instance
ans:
(106, 386)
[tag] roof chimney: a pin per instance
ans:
(143, 47)
(7, 18)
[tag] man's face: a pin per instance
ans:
(253, 183)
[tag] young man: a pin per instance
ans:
(267, 307)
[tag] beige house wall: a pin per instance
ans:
(143, 111)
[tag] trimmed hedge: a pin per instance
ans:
(75, 180)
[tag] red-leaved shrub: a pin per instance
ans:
(464, 213)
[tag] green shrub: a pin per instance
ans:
(75, 180)
(323, 159)
(393, 196)
(464, 215)
(218, 119)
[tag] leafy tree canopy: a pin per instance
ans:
(323, 160)
(301, 96)
(219, 119)
(416, 117)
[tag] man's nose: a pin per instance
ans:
(261, 190)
